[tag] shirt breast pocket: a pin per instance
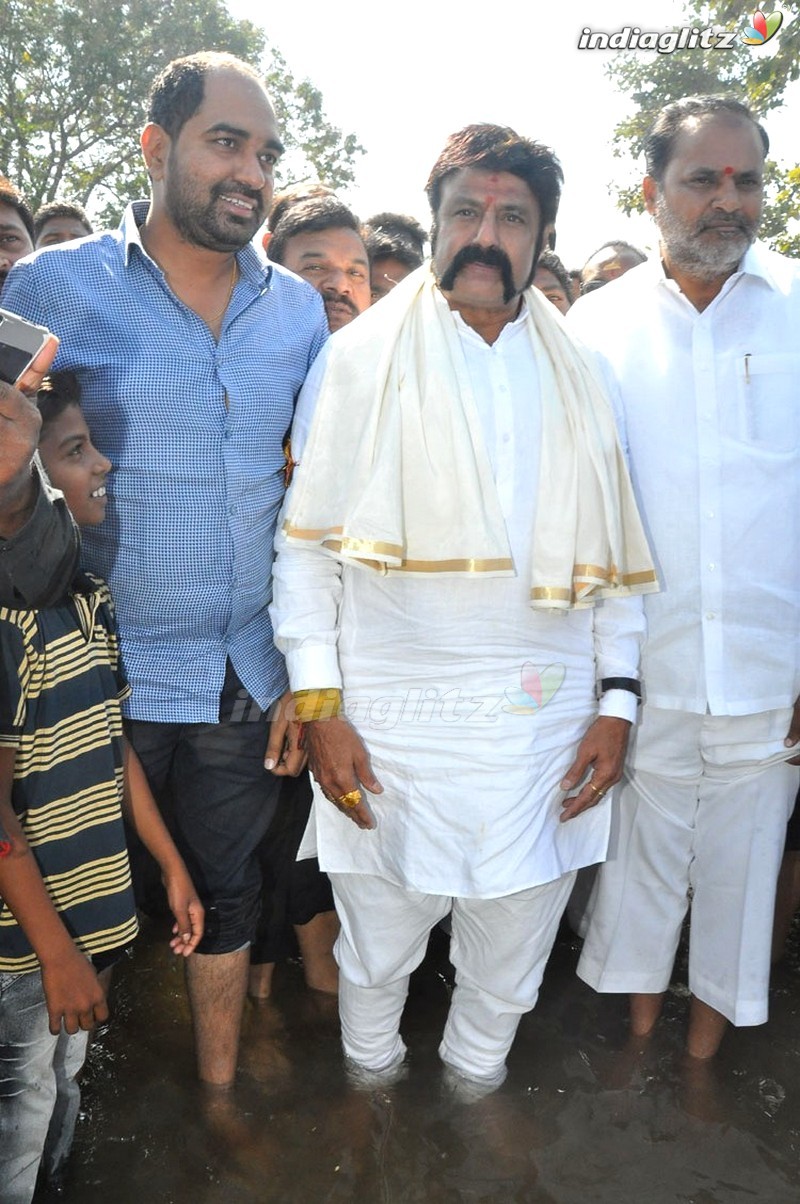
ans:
(769, 401)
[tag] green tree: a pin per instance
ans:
(757, 76)
(74, 79)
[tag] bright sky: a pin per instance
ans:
(405, 77)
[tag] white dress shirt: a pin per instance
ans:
(712, 410)
(432, 670)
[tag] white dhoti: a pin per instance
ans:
(471, 757)
(499, 948)
(700, 820)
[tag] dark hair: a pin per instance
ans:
(55, 394)
(304, 190)
(55, 209)
(309, 217)
(659, 143)
(498, 148)
(11, 196)
(551, 263)
(395, 236)
(177, 91)
(620, 246)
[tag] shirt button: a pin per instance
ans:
(710, 514)
(710, 615)
(233, 509)
(711, 567)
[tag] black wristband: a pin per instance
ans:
(622, 683)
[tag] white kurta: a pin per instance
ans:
(470, 702)
(712, 411)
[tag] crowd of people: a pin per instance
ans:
(382, 586)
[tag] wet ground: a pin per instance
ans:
(582, 1119)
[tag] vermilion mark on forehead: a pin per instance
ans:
(727, 171)
(490, 199)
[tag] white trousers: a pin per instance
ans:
(499, 948)
(701, 819)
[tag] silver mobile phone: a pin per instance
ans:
(20, 344)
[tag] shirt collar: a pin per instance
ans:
(757, 261)
(467, 332)
(251, 266)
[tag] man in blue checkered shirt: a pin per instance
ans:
(190, 351)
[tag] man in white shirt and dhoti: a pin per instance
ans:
(703, 343)
(452, 593)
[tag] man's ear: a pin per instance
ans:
(650, 193)
(155, 143)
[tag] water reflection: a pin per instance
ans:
(585, 1117)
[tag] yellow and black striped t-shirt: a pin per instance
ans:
(61, 684)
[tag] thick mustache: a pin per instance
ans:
(492, 257)
(717, 223)
(339, 299)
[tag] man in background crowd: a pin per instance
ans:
(609, 262)
(60, 221)
(552, 279)
(319, 239)
(396, 246)
(16, 228)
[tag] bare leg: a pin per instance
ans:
(706, 1030)
(787, 901)
(217, 984)
(259, 985)
(316, 939)
(645, 1011)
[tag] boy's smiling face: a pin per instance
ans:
(75, 466)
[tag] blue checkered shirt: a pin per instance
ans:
(194, 429)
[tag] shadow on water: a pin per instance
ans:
(584, 1118)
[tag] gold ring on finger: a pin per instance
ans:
(596, 790)
(351, 799)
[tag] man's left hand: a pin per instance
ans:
(793, 734)
(602, 750)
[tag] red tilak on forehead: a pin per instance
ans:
(727, 171)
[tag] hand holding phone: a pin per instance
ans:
(26, 351)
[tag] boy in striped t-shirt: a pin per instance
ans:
(66, 904)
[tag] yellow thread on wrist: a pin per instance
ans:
(311, 705)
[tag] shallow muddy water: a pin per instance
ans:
(582, 1119)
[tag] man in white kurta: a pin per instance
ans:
(471, 715)
(703, 343)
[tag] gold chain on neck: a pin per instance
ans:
(234, 278)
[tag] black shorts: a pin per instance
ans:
(217, 800)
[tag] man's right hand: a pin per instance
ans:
(73, 993)
(20, 422)
(339, 761)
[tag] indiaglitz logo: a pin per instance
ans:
(537, 689)
(763, 28)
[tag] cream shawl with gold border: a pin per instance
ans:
(395, 475)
